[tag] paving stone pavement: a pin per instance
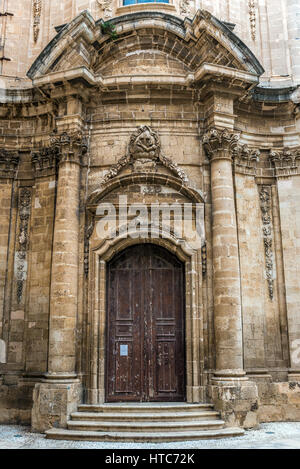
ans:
(268, 436)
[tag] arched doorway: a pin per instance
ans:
(145, 342)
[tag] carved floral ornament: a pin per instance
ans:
(61, 147)
(221, 143)
(144, 154)
(285, 158)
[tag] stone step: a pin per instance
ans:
(150, 427)
(143, 416)
(144, 407)
(62, 434)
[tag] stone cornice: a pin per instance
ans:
(9, 161)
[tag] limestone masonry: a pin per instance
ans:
(179, 103)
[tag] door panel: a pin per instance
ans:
(145, 326)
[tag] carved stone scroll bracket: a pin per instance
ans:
(22, 241)
(265, 196)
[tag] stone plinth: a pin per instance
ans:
(53, 402)
(237, 401)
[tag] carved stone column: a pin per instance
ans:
(219, 146)
(233, 395)
(59, 394)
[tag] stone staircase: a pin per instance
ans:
(144, 422)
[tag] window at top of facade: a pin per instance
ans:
(132, 2)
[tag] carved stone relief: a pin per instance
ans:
(144, 154)
(265, 205)
(22, 239)
(37, 10)
(252, 17)
(106, 8)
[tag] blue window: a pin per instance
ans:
(132, 2)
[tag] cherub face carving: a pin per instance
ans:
(144, 144)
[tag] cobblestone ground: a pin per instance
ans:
(268, 436)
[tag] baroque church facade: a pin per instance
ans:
(108, 109)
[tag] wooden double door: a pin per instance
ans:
(145, 352)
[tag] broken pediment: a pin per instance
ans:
(187, 49)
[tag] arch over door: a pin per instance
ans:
(145, 326)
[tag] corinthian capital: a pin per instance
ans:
(70, 146)
(220, 143)
(246, 156)
(284, 158)
(9, 161)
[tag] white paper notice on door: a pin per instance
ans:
(123, 350)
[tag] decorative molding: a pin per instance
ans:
(216, 141)
(106, 7)
(9, 161)
(265, 196)
(69, 146)
(23, 241)
(37, 10)
(252, 18)
(88, 233)
(144, 154)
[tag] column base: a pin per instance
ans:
(259, 375)
(236, 398)
(229, 377)
(54, 399)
